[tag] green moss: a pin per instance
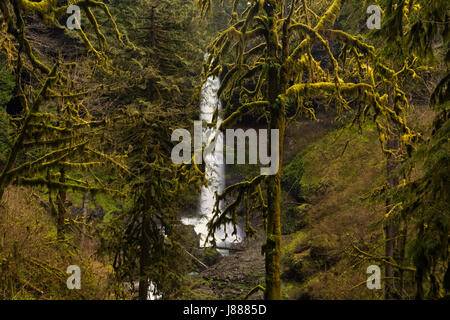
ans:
(211, 256)
(106, 202)
(4, 137)
(6, 85)
(339, 157)
(293, 218)
(292, 176)
(243, 171)
(6, 88)
(294, 244)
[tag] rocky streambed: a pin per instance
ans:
(234, 275)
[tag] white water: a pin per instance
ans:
(214, 170)
(152, 293)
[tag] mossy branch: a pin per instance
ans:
(242, 190)
(253, 291)
(386, 260)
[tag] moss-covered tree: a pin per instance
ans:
(154, 82)
(421, 29)
(50, 121)
(274, 72)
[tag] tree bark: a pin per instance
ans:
(85, 214)
(272, 247)
(145, 259)
(391, 229)
(61, 214)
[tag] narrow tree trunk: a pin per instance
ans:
(85, 214)
(419, 274)
(402, 249)
(61, 214)
(391, 229)
(144, 260)
(286, 6)
(272, 247)
(390, 232)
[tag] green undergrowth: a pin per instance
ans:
(325, 184)
(33, 262)
(6, 88)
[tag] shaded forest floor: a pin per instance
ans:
(234, 275)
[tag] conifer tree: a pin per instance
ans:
(421, 29)
(154, 92)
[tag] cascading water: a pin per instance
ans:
(152, 293)
(214, 173)
(214, 169)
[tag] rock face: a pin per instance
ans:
(234, 275)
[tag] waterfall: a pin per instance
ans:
(214, 174)
(214, 169)
(152, 293)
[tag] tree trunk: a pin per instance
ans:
(85, 214)
(144, 260)
(61, 214)
(272, 247)
(391, 229)
(402, 250)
